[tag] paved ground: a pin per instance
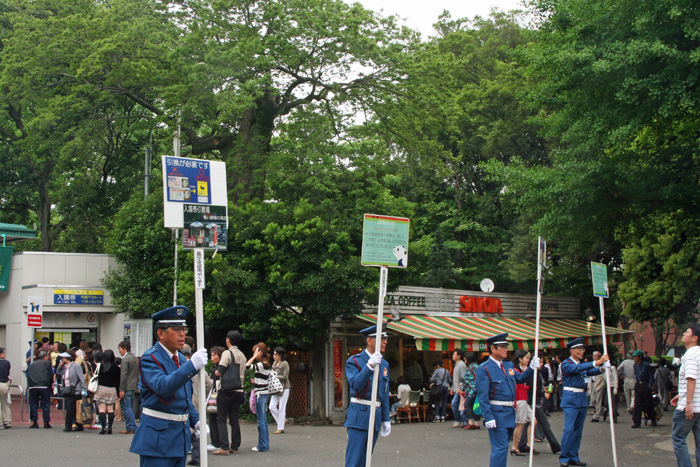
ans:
(416, 444)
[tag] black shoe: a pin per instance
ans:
(577, 463)
(515, 452)
(653, 423)
(193, 463)
(68, 429)
(562, 464)
(104, 431)
(34, 425)
(636, 426)
(594, 420)
(47, 425)
(555, 451)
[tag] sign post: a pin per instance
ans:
(384, 244)
(599, 273)
(199, 285)
(35, 317)
(541, 264)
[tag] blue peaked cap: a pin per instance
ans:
(497, 339)
(578, 342)
(372, 331)
(172, 316)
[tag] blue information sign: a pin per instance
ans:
(189, 180)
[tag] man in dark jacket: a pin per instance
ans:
(643, 400)
(39, 379)
(128, 384)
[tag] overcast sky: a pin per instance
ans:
(422, 14)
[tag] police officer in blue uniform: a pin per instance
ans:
(574, 400)
(495, 388)
(162, 438)
(359, 371)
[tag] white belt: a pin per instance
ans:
(503, 403)
(365, 402)
(567, 388)
(166, 416)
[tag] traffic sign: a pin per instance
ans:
(385, 241)
(35, 311)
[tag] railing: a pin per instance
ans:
(21, 398)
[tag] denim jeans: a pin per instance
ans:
(681, 427)
(40, 397)
(455, 409)
(263, 433)
(128, 410)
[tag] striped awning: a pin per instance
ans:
(469, 333)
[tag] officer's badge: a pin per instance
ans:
(511, 372)
(180, 311)
(385, 372)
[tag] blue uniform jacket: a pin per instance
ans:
(572, 374)
(359, 377)
(643, 373)
(165, 388)
(492, 384)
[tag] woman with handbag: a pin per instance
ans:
(216, 353)
(260, 363)
(468, 386)
(440, 390)
(523, 412)
(107, 390)
(73, 388)
(278, 402)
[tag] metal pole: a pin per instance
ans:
(199, 319)
(383, 276)
(177, 236)
(537, 341)
(607, 382)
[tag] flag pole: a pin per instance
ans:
(383, 276)
(607, 383)
(541, 259)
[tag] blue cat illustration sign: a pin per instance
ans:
(385, 241)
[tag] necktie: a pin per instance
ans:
(176, 360)
(503, 369)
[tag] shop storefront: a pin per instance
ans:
(75, 305)
(437, 321)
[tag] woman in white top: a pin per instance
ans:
(278, 402)
(261, 364)
(402, 393)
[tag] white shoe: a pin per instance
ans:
(255, 449)
(457, 425)
(211, 447)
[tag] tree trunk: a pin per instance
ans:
(44, 214)
(318, 407)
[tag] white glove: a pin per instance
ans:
(199, 359)
(196, 430)
(607, 364)
(535, 363)
(490, 424)
(615, 391)
(386, 429)
(375, 359)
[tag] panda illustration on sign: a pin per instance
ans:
(401, 255)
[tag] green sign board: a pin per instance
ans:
(599, 273)
(5, 267)
(385, 241)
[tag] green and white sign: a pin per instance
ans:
(385, 241)
(5, 266)
(599, 273)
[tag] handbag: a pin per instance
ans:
(251, 401)
(436, 390)
(67, 391)
(92, 385)
(231, 379)
(274, 386)
(211, 401)
(476, 408)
